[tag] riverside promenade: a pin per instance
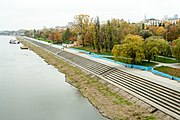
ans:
(140, 73)
(161, 93)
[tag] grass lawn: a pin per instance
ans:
(144, 63)
(169, 70)
(165, 60)
(45, 40)
(90, 49)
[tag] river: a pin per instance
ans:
(30, 89)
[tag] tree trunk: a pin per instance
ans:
(83, 42)
(154, 57)
(149, 58)
(98, 50)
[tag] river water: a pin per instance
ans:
(30, 89)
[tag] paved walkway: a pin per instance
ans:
(144, 74)
(141, 73)
(173, 65)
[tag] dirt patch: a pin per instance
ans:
(109, 103)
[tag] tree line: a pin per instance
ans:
(133, 42)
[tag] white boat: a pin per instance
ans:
(14, 41)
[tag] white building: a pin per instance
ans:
(156, 22)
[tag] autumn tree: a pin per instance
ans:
(89, 36)
(50, 36)
(57, 38)
(161, 31)
(153, 30)
(81, 24)
(172, 33)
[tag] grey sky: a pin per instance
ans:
(29, 14)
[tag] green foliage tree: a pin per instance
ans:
(97, 34)
(163, 46)
(145, 33)
(66, 36)
(151, 47)
(109, 35)
(131, 47)
(176, 49)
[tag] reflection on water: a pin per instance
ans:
(32, 90)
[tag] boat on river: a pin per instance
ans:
(14, 41)
(24, 47)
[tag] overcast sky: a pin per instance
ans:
(30, 14)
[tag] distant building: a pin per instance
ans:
(70, 24)
(60, 27)
(157, 22)
(176, 16)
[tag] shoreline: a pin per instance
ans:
(108, 102)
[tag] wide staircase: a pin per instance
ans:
(95, 67)
(161, 97)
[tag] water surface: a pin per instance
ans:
(30, 89)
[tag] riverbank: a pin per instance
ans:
(104, 98)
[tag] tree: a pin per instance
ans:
(131, 47)
(160, 31)
(151, 48)
(116, 51)
(97, 34)
(81, 25)
(89, 36)
(104, 37)
(152, 29)
(163, 46)
(156, 45)
(176, 49)
(172, 33)
(57, 37)
(66, 36)
(29, 33)
(145, 33)
(50, 36)
(109, 35)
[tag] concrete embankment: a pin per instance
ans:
(108, 99)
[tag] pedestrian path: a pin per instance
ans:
(140, 73)
(163, 98)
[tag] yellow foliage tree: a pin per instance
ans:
(160, 31)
